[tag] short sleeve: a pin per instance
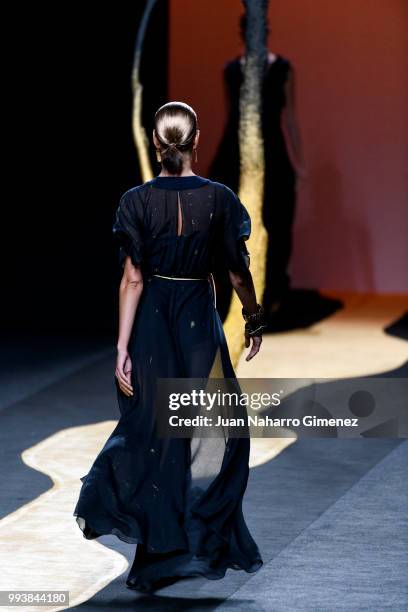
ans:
(127, 229)
(236, 230)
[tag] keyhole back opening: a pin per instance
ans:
(179, 216)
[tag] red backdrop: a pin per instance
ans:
(350, 58)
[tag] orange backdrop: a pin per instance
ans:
(350, 59)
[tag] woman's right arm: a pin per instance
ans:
(130, 290)
(245, 290)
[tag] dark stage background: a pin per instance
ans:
(71, 152)
(73, 157)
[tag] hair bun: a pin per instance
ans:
(175, 129)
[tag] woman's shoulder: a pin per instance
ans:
(134, 192)
(230, 202)
(132, 202)
(226, 194)
(134, 197)
(222, 188)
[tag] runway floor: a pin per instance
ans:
(329, 514)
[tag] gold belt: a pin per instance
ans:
(179, 277)
(209, 277)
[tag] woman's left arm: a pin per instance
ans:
(130, 290)
(291, 128)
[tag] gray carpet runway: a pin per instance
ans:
(328, 514)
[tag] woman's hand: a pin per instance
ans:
(256, 345)
(123, 372)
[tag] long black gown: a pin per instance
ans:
(279, 184)
(179, 500)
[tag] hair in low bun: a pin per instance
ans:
(175, 124)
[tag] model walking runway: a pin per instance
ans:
(152, 491)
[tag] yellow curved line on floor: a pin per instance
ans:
(42, 546)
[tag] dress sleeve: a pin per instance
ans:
(127, 230)
(236, 230)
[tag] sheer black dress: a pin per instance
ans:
(179, 500)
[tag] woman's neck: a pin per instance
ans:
(185, 172)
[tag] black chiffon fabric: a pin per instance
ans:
(178, 499)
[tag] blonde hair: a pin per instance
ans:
(175, 125)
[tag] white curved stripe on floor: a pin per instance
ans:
(42, 545)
